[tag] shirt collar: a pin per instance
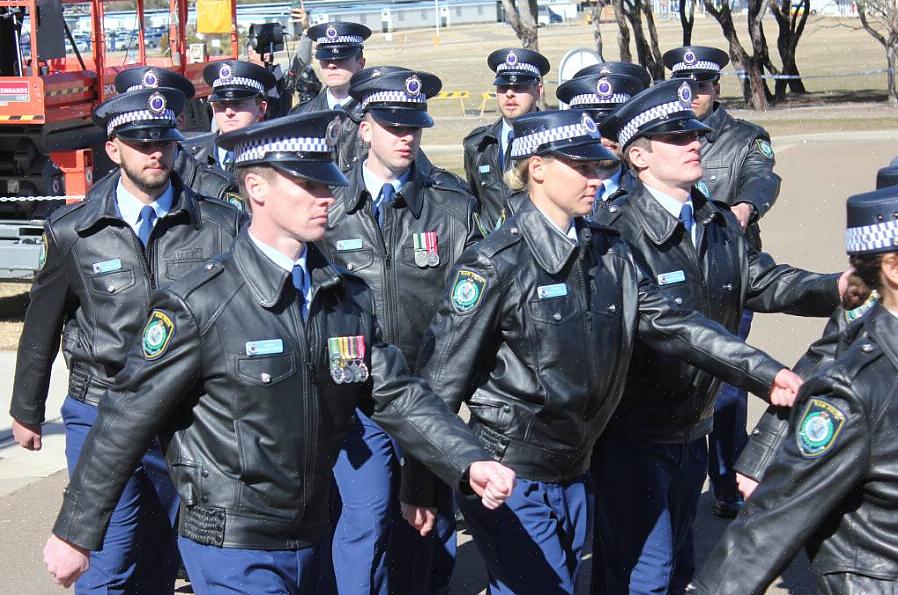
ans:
(374, 184)
(129, 206)
(333, 102)
(570, 234)
(279, 258)
(503, 134)
(222, 154)
(670, 204)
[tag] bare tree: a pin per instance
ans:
(623, 31)
(790, 18)
(879, 18)
(632, 13)
(597, 29)
(522, 16)
(754, 88)
(687, 19)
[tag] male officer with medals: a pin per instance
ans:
(250, 370)
(102, 258)
(399, 227)
(519, 86)
(738, 170)
(651, 461)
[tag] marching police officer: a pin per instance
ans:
(101, 260)
(250, 369)
(399, 227)
(340, 51)
(652, 459)
(238, 99)
(535, 333)
(738, 161)
(832, 486)
(519, 86)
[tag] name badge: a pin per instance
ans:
(551, 291)
(671, 277)
(267, 347)
(484, 169)
(107, 266)
(350, 244)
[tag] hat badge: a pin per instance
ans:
(376, 73)
(331, 33)
(225, 73)
(689, 58)
(604, 89)
(150, 80)
(590, 125)
(511, 59)
(513, 78)
(684, 93)
(332, 133)
(413, 85)
(156, 103)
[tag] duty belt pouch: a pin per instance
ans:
(494, 442)
(203, 524)
(79, 382)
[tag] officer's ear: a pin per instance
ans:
(889, 272)
(112, 149)
(263, 107)
(256, 185)
(365, 128)
(537, 169)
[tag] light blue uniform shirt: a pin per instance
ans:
(129, 206)
(283, 261)
(673, 206)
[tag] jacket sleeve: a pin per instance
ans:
(470, 168)
(782, 288)
(695, 339)
(50, 303)
(757, 184)
(145, 395)
(817, 466)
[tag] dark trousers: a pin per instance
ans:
(215, 570)
(646, 500)
(139, 552)
(534, 543)
(729, 437)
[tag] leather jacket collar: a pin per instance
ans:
(659, 225)
(883, 327)
(549, 247)
(716, 120)
(102, 204)
(411, 193)
(266, 280)
(491, 134)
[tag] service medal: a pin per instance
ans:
(347, 359)
(427, 252)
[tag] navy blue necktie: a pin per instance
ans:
(687, 218)
(299, 282)
(505, 156)
(383, 199)
(146, 219)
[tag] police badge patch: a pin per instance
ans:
(42, 256)
(467, 291)
(765, 148)
(819, 428)
(157, 334)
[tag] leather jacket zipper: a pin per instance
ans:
(310, 402)
(387, 279)
(144, 260)
(590, 330)
(692, 251)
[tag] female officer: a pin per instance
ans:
(536, 334)
(833, 486)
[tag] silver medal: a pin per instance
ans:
(421, 258)
(433, 259)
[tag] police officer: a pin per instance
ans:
(832, 486)
(400, 229)
(251, 369)
(651, 462)
(238, 97)
(340, 52)
(738, 170)
(535, 333)
(519, 86)
(101, 259)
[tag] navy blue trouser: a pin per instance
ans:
(139, 552)
(729, 437)
(646, 500)
(534, 542)
(215, 570)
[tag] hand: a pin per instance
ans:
(28, 436)
(742, 211)
(65, 561)
(422, 518)
(746, 485)
(298, 15)
(492, 481)
(785, 388)
(843, 283)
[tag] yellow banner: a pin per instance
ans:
(213, 16)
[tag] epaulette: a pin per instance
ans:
(503, 238)
(446, 180)
(203, 274)
(64, 211)
(479, 131)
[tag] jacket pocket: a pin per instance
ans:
(407, 257)
(266, 371)
(352, 260)
(554, 311)
(188, 480)
(491, 413)
(179, 269)
(111, 283)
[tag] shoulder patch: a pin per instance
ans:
(702, 187)
(467, 291)
(764, 147)
(42, 257)
(819, 428)
(157, 334)
(234, 199)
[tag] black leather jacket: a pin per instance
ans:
(539, 353)
(251, 439)
(738, 164)
(351, 149)
(406, 294)
(832, 488)
(484, 176)
(96, 283)
(667, 400)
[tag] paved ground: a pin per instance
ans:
(805, 229)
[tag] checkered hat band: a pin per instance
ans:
(143, 115)
(659, 111)
(592, 98)
(342, 39)
(240, 80)
(518, 66)
(392, 97)
(136, 88)
(256, 150)
(529, 143)
(871, 237)
(700, 65)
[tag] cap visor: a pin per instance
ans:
(587, 151)
(324, 171)
(333, 54)
(399, 116)
(232, 94)
(676, 126)
(150, 134)
(698, 75)
(520, 80)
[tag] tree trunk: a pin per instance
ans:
(753, 88)
(657, 64)
(623, 31)
(522, 16)
(892, 61)
(687, 19)
(597, 30)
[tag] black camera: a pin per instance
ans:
(266, 37)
